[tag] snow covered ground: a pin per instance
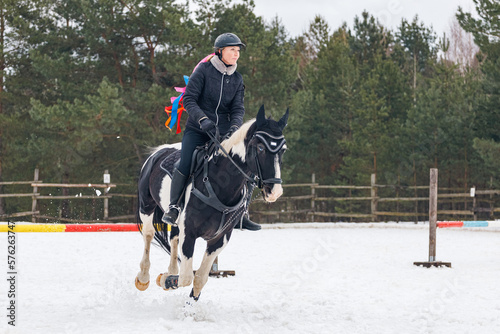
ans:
(336, 279)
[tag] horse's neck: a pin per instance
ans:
(228, 178)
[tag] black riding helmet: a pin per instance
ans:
(227, 39)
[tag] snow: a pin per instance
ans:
(319, 278)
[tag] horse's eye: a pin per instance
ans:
(260, 147)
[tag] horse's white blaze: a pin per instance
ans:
(148, 232)
(277, 189)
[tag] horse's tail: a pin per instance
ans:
(161, 230)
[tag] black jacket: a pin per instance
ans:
(203, 92)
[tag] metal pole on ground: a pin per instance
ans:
(433, 195)
(214, 271)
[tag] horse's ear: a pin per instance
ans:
(261, 116)
(284, 120)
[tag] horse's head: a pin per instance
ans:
(260, 144)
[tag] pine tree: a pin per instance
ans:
(486, 30)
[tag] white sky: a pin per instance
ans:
(297, 14)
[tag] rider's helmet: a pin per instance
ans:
(227, 39)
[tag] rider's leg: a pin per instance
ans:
(176, 190)
(246, 223)
(190, 141)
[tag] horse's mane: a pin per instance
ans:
(236, 143)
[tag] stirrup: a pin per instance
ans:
(171, 216)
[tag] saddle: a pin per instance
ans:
(172, 160)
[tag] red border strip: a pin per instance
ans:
(101, 228)
(450, 224)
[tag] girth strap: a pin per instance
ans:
(213, 201)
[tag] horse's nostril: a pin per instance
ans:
(267, 189)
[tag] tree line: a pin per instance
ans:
(84, 85)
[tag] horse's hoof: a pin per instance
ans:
(192, 295)
(158, 280)
(141, 286)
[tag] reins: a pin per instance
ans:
(255, 180)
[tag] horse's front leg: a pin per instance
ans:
(187, 250)
(148, 233)
(173, 268)
(171, 280)
(201, 277)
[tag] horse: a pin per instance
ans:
(215, 198)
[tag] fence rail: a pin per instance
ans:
(36, 196)
(369, 204)
(300, 203)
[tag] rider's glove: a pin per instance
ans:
(207, 125)
(232, 129)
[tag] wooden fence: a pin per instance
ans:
(36, 197)
(300, 202)
(375, 202)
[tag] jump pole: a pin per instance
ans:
(215, 272)
(433, 194)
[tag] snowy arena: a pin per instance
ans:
(290, 278)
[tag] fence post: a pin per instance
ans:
(492, 203)
(313, 195)
(433, 190)
(107, 180)
(35, 190)
(433, 195)
(373, 184)
(474, 203)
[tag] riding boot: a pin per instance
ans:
(246, 223)
(176, 190)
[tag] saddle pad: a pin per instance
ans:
(169, 161)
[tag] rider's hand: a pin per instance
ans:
(207, 125)
(232, 129)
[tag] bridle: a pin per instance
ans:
(273, 143)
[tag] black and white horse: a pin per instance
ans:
(215, 198)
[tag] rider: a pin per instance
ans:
(213, 99)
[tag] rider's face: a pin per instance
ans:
(230, 55)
